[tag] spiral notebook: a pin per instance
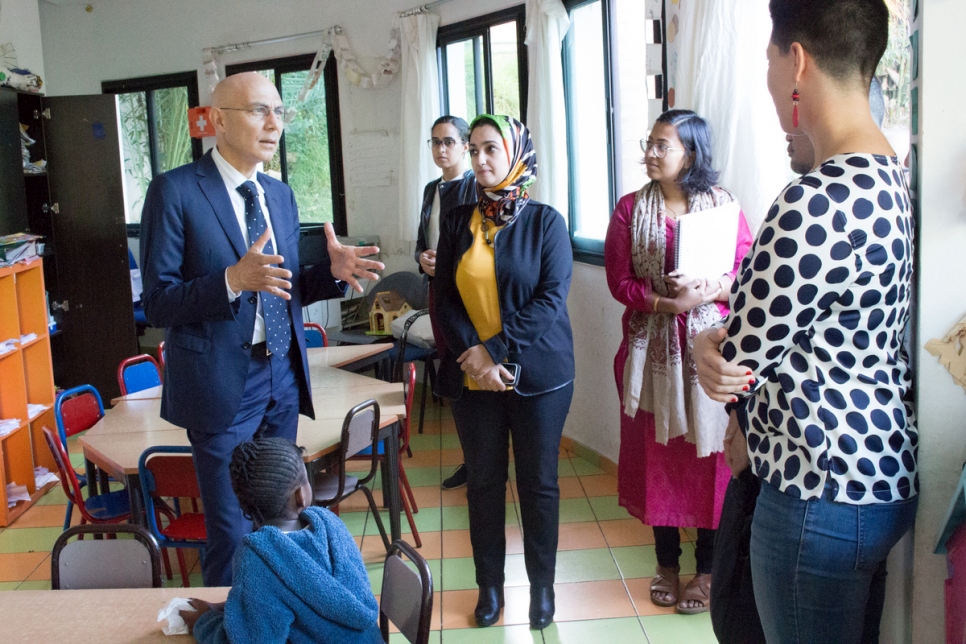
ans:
(705, 241)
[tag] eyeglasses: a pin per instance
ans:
(282, 113)
(435, 144)
(660, 149)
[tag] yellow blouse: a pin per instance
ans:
(476, 281)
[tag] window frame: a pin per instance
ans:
(148, 84)
(480, 27)
(330, 76)
(590, 251)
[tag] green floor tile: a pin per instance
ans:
(515, 571)
(9, 585)
(673, 629)
(607, 509)
(29, 539)
(34, 585)
(595, 564)
(584, 468)
(355, 521)
(399, 638)
(449, 441)
(423, 476)
(423, 442)
(636, 562)
(457, 574)
(55, 496)
(194, 579)
(457, 517)
(575, 511)
(625, 630)
(518, 634)
(565, 468)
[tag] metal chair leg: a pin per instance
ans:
(375, 515)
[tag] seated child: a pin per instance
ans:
(299, 577)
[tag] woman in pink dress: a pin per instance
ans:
(671, 472)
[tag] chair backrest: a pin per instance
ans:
(68, 478)
(138, 373)
(315, 336)
(77, 410)
(107, 563)
(397, 367)
(407, 594)
(161, 358)
(166, 471)
(360, 430)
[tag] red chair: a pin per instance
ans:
(167, 471)
(110, 507)
(315, 335)
(408, 499)
(76, 410)
(161, 358)
(138, 373)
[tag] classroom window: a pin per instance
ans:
(153, 114)
(309, 157)
(587, 90)
(483, 65)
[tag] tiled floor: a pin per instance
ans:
(604, 562)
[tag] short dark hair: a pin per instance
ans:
(460, 125)
(265, 472)
(695, 134)
(845, 37)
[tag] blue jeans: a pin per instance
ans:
(813, 564)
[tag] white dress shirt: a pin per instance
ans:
(233, 178)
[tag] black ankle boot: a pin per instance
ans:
(541, 606)
(488, 607)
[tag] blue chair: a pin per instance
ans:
(138, 373)
(315, 336)
(169, 471)
(76, 410)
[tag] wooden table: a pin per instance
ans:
(104, 616)
(116, 442)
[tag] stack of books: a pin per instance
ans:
(19, 247)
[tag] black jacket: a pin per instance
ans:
(451, 194)
(534, 264)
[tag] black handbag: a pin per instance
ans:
(734, 614)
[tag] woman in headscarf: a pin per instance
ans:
(503, 270)
(671, 472)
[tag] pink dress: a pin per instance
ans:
(662, 485)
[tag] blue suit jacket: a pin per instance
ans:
(189, 236)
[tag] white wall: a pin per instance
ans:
(20, 25)
(942, 404)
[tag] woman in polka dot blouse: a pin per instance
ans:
(815, 334)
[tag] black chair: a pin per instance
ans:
(105, 563)
(407, 594)
(359, 431)
(405, 353)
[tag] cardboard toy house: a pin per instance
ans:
(385, 308)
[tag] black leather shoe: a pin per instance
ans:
(541, 606)
(488, 607)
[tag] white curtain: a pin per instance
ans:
(547, 24)
(420, 105)
(717, 67)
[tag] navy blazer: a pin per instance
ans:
(451, 194)
(534, 264)
(189, 236)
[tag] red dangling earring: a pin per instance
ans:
(795, 97)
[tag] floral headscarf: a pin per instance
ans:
(503, 202)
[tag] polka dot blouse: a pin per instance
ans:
(818, 314)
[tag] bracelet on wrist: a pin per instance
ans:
(657, 299)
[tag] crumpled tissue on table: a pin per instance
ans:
(951, 351)
(171, 612)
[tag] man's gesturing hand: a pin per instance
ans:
(255, 272)
(347, 262)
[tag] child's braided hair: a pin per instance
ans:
(264, 474)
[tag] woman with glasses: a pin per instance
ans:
(449, 141)
(502, 277)
(671, 472)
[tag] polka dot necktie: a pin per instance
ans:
(278, 324)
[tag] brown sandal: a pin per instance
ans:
(667, 583)
(697, 591)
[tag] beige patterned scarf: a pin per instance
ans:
(660, 376)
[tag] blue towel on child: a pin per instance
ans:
(304, 586)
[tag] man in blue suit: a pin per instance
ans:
(219, 260)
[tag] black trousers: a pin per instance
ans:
(486, 421)
(667, 547)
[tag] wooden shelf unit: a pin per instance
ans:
(26, 378)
